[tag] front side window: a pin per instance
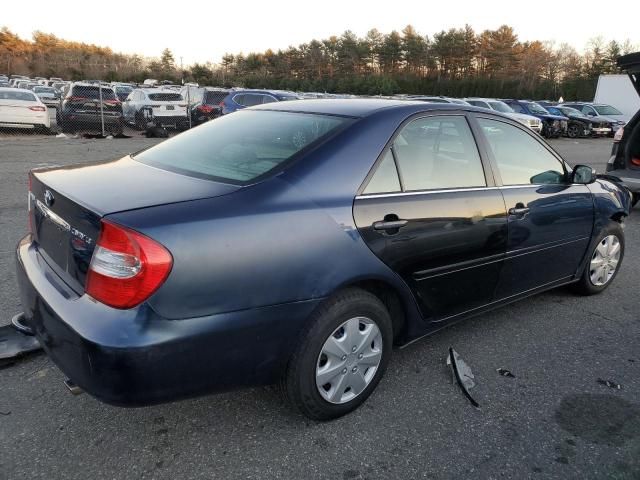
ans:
(268, 99)
(438, 153)
(521, 159)
(242, 147)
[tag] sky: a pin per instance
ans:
(201, 31)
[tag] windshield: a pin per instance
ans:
(241, 147)
(572, 111)
(501, 107)
(44, 90)
(607, 110)
(553, 111)
(124, 90)
(535, 108)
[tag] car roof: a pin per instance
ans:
(360, 107)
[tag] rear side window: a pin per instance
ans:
(88, 91)
(19, 96)
(251, 99)
(214, 98)
(385, 179)
(242, 147)
(521, 159)
(438, 153)
(165, 97)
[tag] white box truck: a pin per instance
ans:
(619, 92)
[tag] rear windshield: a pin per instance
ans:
(86, 91)
(44, 90)
(165, 97)
(243, 146)
(23, 96)
(535, 108)
(214, 98)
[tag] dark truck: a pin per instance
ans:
(625, 154)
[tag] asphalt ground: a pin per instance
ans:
(553, 420)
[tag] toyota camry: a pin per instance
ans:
(296, 243)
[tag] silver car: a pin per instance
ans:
(534, 123)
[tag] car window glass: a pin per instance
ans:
(438, 152)
(239, 99)
(268, 99)
(517, 108)
(521, 159)
(385, 179)
(241, 147)
(252, 99)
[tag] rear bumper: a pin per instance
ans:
(91, 119)
(134, 357)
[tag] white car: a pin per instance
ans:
(534, 123)
(164, 107)
(21, 108)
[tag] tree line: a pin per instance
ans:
(456, 62)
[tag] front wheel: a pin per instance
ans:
(604, 262)
(341, 357)
(573, 131)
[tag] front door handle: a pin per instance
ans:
(389, 224)
(519, 210)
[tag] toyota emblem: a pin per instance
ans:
(49, 198)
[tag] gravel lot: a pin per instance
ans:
(553, 420)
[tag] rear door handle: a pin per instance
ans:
(389, 225)
(519, 211)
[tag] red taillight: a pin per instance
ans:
(126, 267)
(221, 104)
(38, 109)
(113, 102)
(635, 161)
(205, 108)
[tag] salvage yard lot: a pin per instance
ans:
(554, 419)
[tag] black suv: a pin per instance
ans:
(205, 103)
(625, 154)
(81, 109)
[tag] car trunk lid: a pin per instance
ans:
(66, 205)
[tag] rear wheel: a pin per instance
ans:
(140, 121)
(341, 357)
(604, 262)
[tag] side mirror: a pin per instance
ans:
(583, 174)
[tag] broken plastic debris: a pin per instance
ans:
(462, 374)
(505, 373)
(14, 343)
(610, 384)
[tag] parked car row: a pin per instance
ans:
(162, 103)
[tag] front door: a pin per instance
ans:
(550, 219)
(433, 216)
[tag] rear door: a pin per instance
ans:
(550, 219)
(431, 212)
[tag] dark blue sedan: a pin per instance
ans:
(297, 242)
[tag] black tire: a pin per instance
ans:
(573, 131)
(635, 198)
(299, 381)
(585, 286)
(140, 122)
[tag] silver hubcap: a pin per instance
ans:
(349, 360)
(604, 260)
